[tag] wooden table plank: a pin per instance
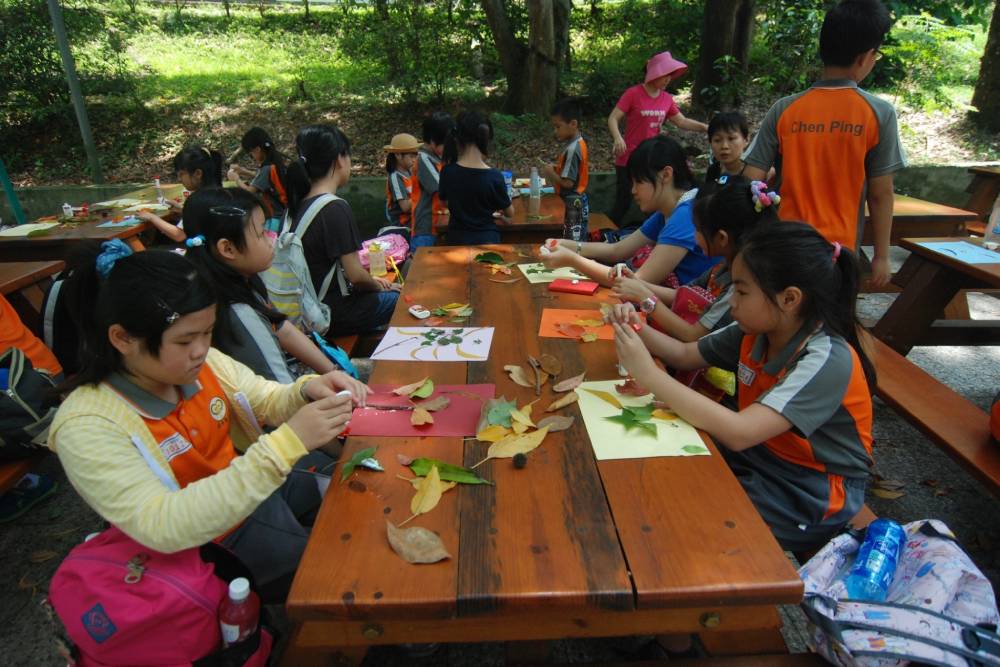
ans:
(543, 537)
(916, 217)
(988, 275)
(18, 275)
(359, 575)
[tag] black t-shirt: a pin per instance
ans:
(472, 195)
(332, 234)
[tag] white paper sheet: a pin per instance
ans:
(537, 273)
(435, 344)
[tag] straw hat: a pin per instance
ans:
(662, 64)
(403, 143)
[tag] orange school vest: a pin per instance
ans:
(13, 333)
(194, 438)
(754, 382)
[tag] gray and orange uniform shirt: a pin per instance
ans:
(719, 282)
(428, 178)
(399, 186)
(574, 165)
(825, 144)
(808, 482)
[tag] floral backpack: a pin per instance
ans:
(940, 609)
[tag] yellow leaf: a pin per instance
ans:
(588, 337)
(445, 486)
(408, 389)
(881, 493)
(492, 433)
(605, 396)
(428, 493)
(589, 323)
(421, 417)
(515, 444)
(568, 399)
(520, 376)
(455, 306)
(665, 415)
(523, 415)
(520, 428)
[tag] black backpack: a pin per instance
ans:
(27, 405)
(58, 330)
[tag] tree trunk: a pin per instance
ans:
(306, 3)
(745, 21)
(986, 97)
(532, 69)
(718, 37)
(382, 9)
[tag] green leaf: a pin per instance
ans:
(464, 312)
(648, 427)
(630, 420)
(354, 461)
(489, 258)
(642, 412)
(456, 340)
(424, 390)
(500, 413)
(694, 449)
(440, 312)
(448, 472)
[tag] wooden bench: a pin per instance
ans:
(956, 425)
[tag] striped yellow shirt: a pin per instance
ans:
(116, 466)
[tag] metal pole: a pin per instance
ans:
(12, 200)
(62, 41)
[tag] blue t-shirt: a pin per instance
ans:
(678, 230)
(472, 195)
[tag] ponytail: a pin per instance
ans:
(785, 254)
(143, 292)
(318, 148)
(471, 128)
(193, 158)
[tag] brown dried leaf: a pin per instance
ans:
(570, 330)
(631, 388)
(888, 495)
(889, 484)
(550, 364)
(568, 399)
(408, 389)
(569, 384)
(420, 417)
(520, 376)
(556, 423)
(507, 281)
(434, 404)
(416, 545)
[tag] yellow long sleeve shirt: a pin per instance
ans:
(96, 435)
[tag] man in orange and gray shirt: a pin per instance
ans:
(835, 146)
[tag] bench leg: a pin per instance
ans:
(958, 308)
(929, 289)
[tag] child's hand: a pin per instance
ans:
(632, 352)
(330, 383)
(631, 289)
(320, 422)
(176, 205)
(147, 216)
(619, 146)
(386, 285)
(558, 256)
(624, 313)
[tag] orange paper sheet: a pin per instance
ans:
(553, 316)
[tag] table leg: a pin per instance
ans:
(297, 655)
(135, 243)
(929, 289)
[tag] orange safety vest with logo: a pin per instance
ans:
(412, 185)
(754, 382)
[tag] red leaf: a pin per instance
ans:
(434, 321)
(631, 388)
(570, 330)
(407, 298)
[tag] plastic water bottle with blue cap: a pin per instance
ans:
(875, 565)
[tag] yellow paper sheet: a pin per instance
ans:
(24, 230)
(675, 437)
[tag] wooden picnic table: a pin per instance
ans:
(567, 547)
(24, 285)
(930, 280)
(548, 224)
(912, 217)
(57, 243)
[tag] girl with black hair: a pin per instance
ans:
(229, 244)
(721, 221)
(196, 168)
(152, 432)
(663, 186)
(476, 193)
(358, 302)
(801, 442)
(269, 179)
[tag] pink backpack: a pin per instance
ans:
(124, 604)
(394, 245)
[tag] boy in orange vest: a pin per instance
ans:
(571, 172)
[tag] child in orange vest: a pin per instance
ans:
(801, 442)
(402, 190)
(269, 180)
(571, 172)
(437, 127)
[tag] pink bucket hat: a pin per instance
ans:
(662, 64)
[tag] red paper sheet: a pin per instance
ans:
(553, 316)
(459, 419)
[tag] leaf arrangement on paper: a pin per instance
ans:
(536, 272)
(435, 344)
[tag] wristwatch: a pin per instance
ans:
(648, 305)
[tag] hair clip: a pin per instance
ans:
(111, 252)
(228, 211)
(836, 251)
(172, 315)
(195, 241)
(302, 157)
(761, 197)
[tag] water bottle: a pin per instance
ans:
(573, 220)
(239, 612)
(534, 192)
(376, 260)
(67, 210)
(508, 180)
(875, 565)
(160, 199)
(991, 237)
